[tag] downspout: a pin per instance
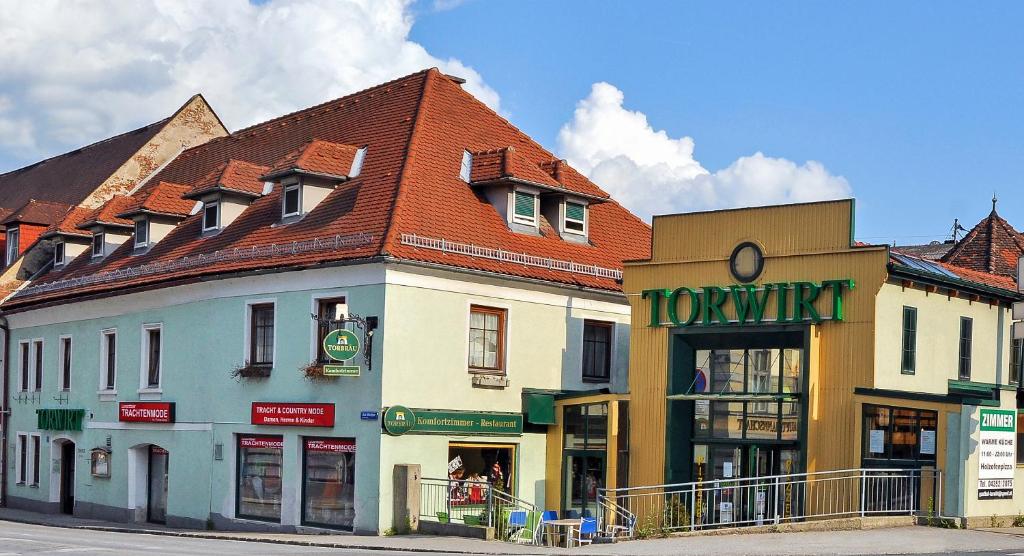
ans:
(5, 414)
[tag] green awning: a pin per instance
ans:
(539, 408)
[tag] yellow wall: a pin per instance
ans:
(808, 242)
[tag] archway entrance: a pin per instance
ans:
(156, 497)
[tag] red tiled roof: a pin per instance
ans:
(107, 213)
(70, 177)
(68, 225)
(415, 130)
(37, 212)
(946, 271)
(235, 176)
(317, 157)
(164, 199)
(986, 278)
(572, 180)
(496, 164)
(992, 246)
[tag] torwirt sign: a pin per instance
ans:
(706, 305)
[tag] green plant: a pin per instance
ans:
(645, 529)
(390, 532)
(993, 521)
(1018, 520)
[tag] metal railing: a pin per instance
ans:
(526, 259)
(772, 500)
(478, 503)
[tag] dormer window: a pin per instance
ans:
(467, 166)
(291, 200)
(525, 208)
(575, 218)
(98, 240)
(141, 233)
(12, 245)
(211, 215)
(58, 253)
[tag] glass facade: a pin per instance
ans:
(329, 473)
(584, 448)
(898, 437)
(259, 477)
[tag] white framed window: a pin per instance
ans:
(36, 448)
(21, 471)
(466, 168)
(108, 361)
(575, 218)
(152, 359)
(37, 365)
(24, 365)
(98, 241)
(524, 207)
(141, 233)
(211, 215)
(291, 199)
(13, 236)
(58, 253)
(64, 363)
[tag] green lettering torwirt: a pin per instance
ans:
(59, 419)
(795, 302)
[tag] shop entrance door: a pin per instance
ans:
(157, 492)
(735, 494)
(584, 475)
(67, 477)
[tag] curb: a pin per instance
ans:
(227, 536)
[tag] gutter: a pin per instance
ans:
(5, 414)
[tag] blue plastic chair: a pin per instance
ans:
(585, 534)
(547, 515)
(516, 525)
(572, 514)
(587, 513)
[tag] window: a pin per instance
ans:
(13, 235)
(37, 365)
(259, 477)
(897, 433)
(597, 351)
(909, 361)
(58, 253)
(211, 215)
(331, 309)
(486, 339)
(966, 331)
(108, 359)
(65, 363)
(575, 217)
(142, 232)
(35, 459)
(525, 208)
(23, 361)
(292, 199)
(98, 240)
(151, 355)
(329, 475)
(1016, 364)
(261, 334)
(22, 458)
(466, 168)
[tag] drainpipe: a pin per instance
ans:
(5, 414)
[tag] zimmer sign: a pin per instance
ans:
(997, 457)
(707, 305)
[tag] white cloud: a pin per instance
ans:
(651, 172)
(85, 70)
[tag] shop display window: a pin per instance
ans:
(259, 477)
(473, 466)
(898, 436)
(99, 463)
(329, 474)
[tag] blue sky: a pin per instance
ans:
(918, 104)
(914, 108)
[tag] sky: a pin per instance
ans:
(913, 108)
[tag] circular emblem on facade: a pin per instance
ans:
(341, 345)
(399, 420)
(746, 262)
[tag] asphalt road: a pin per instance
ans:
(36, 540)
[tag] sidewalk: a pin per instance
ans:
(902, 540)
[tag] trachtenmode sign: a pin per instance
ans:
(997, 459)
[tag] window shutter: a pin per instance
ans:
(524, 205)
(574, 211)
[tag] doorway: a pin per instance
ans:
(156, 502)
(731, 474)
(584, 476)
(67, 477)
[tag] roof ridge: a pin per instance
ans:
(77, 150)
(403, 174)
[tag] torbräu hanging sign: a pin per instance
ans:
(707, 305)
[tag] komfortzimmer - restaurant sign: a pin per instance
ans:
(705, 306)
(399, 420)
